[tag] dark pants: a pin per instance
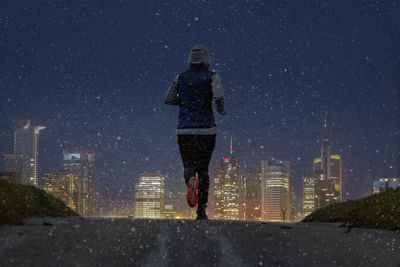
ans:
(196, 151)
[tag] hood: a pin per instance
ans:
(199, 57)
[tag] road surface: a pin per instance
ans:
(149, 242)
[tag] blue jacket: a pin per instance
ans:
(195, 99)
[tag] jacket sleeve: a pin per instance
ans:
(171, 97)
(218, 94)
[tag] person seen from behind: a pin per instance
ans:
(193, 91)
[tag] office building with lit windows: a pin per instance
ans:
(251, 191)
(149, 195)
(326, 178)
(26, 142)
(383, 184)
(226, 188)
(277, 190)
(335, 174)
(63, 185)
(309, 179)
(82, 164)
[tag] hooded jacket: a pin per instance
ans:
(194, 90)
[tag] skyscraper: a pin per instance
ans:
(82, 164)
(335, 174)
(276, 190)
(326, 177)
(309, 202)
(251, 190)
(26, 141)
(64, 185)
(226, 188)
(149, 196)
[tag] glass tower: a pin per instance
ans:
(276, 190)
(82, 164)
(63, 185)
(26, 141)
(149, 196)
(226, 188)
(323, 183)
(309, 179)
(251, 190)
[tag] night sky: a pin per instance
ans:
(95, 74)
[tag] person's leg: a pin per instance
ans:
(185, 143)
(188, 146)
(206, 148)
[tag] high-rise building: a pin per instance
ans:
(226, 188)
(149, 195)
(277, 190)
(326, 177)
(82, 164)
(26, 141)
(251, 191)
(14, 163)
(63, 185)
(383, 184)
(335, 174)
(309, 202)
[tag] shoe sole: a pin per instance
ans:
(192, 197)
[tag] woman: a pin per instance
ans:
(193, 91)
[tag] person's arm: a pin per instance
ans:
(218, 94)
(171, 97)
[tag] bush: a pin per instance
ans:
(23, 201)
(381, 210)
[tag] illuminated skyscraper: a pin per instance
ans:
(63, 185)
(226, 188)
(276, 190)
(26, 140)
(335, 174)
(251, 190)
(149, 196)
(309, 179)
(326, 175)
(82, 164)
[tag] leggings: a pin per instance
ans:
(196, 151)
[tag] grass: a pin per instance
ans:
(380, 211)
(18, 202)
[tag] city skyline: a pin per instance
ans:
(240, 207)
(321, 185)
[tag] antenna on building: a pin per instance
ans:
(325, 124)
(231, 146)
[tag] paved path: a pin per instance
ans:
(130, 242)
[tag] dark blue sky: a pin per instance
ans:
(95, 74)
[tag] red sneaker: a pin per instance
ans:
(192, 196)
